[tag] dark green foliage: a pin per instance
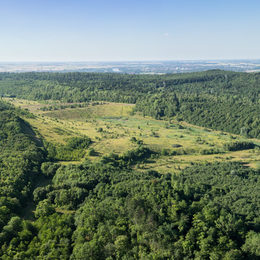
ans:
(47, 238)
(198, 214)
(49, 169)
(252, 244)
(92, 152)
(220, 112)
(221, 100)
(207, 211)
(44, 208)
(21, 156)
(237, 146)
(107, 210)
(73, 150)
(78, 142)
(128, 158)
(20, 159)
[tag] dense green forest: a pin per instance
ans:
(107, 209)
(221, 100)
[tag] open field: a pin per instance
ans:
(113, 128)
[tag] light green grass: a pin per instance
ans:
(118, 126)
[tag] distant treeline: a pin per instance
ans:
(221, 100)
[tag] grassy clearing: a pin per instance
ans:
(111, 126)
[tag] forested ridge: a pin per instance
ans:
(221, 100)
(108, 210)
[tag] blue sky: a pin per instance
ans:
(120, 30)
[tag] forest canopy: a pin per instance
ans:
(221, 100)
(54, 208)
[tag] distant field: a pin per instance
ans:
(112, 125)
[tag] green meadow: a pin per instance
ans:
(116, 128)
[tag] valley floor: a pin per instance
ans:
(115, 128)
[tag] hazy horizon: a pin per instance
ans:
(108, 61)
(133, 67)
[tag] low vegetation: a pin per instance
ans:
(106, 180)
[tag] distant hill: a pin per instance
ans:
(217, 99)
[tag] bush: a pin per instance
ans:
(78, 143)
(49, 168)
(92, 152)
(44, 208)
(164, 152)
(237, 146)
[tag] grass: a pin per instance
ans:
(111, 126)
